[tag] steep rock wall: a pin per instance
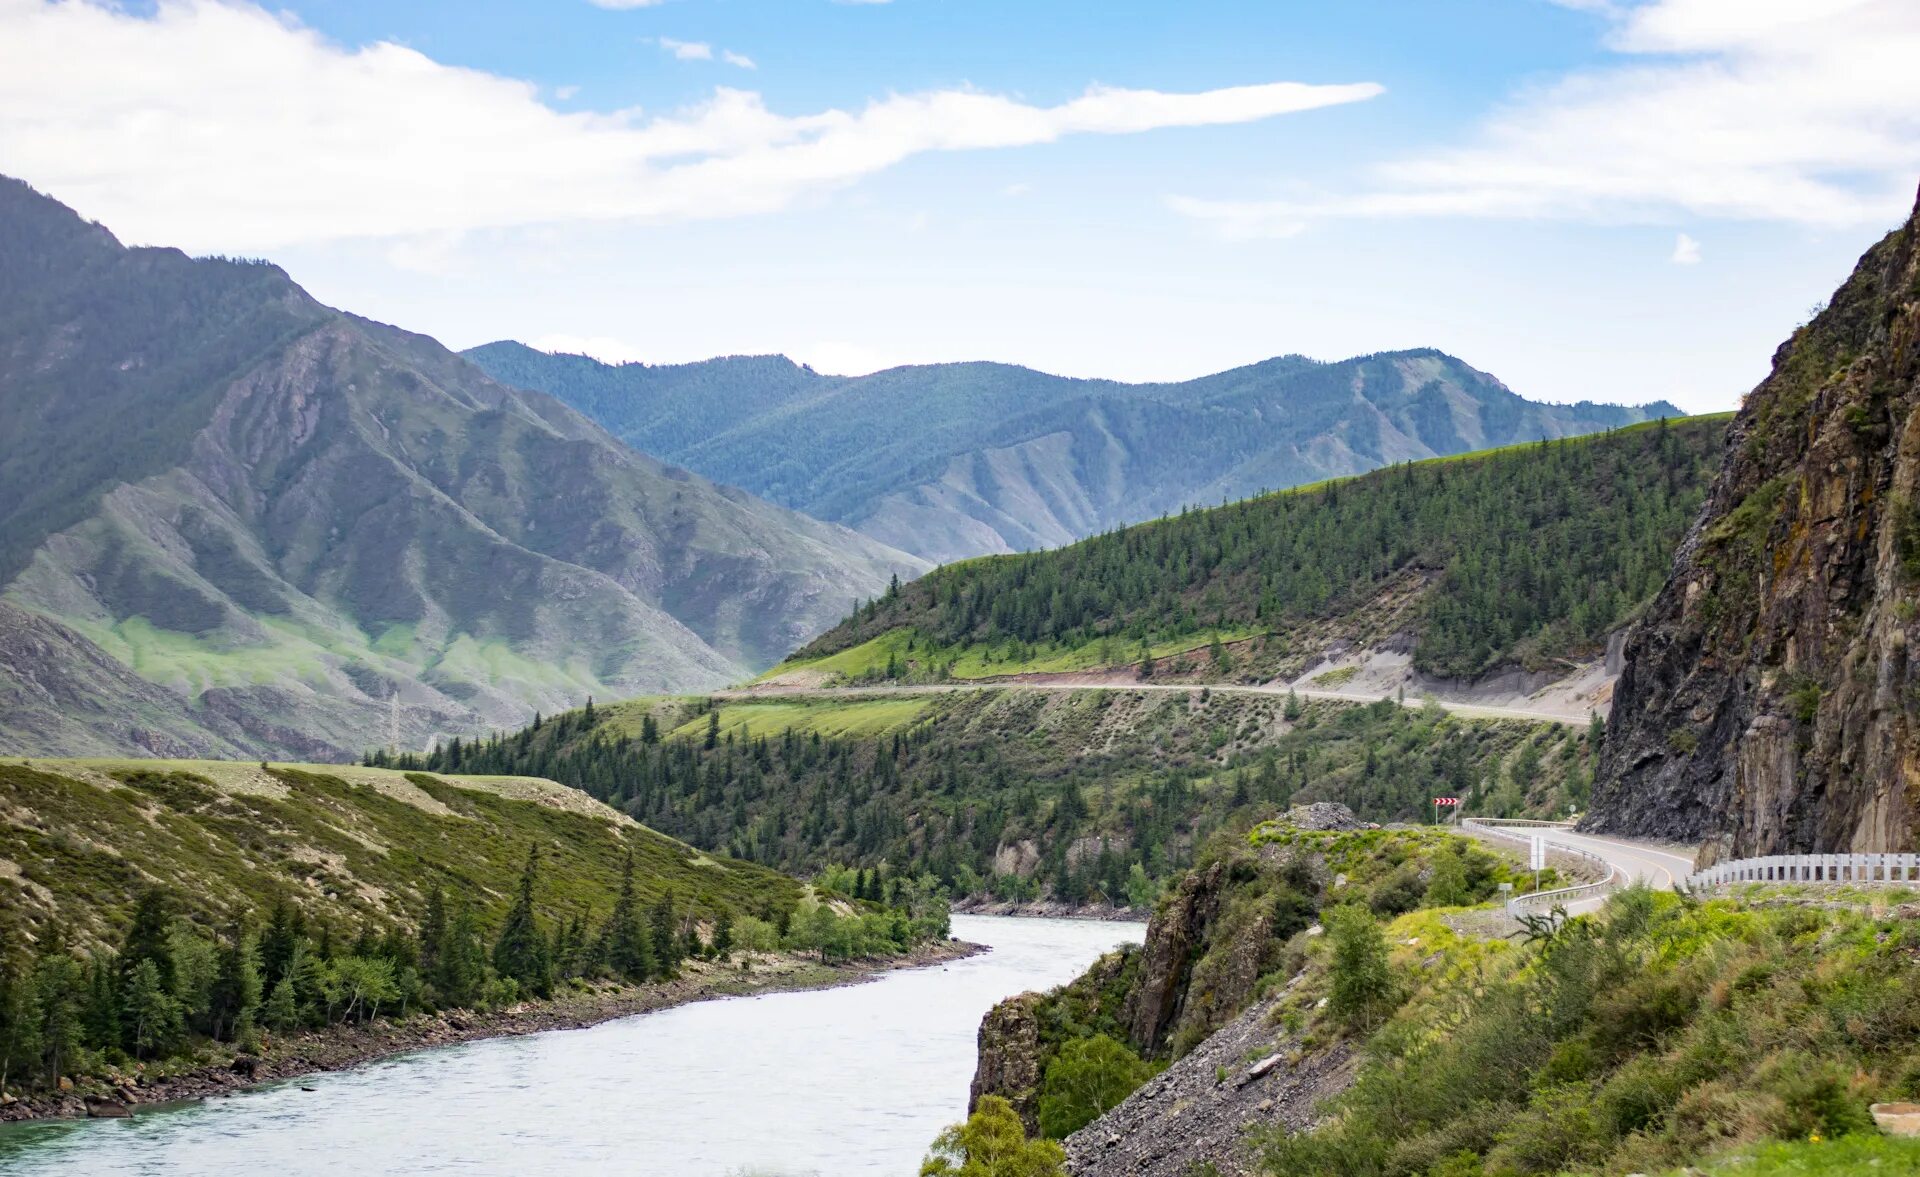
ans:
(1769, 703)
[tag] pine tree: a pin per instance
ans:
(280, 940)
(723, 935)
(150, 1016)
(462, 967)
(628, 953)
(713, 729)
(282, 1012)
(147, 938)
(433, 933)
(19, 1033)
(666, 946)
(235, 998)
(521, 952)
(56, 982)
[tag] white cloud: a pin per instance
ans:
(1018, 189)
(622, 5)
(601, 347)
(739, 59)
(687, 50)
(219, 126)
(1686, 251)
(1803, 111)
(566, 93)
(834, 357)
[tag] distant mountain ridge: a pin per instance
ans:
(950, 461)
(234, 521)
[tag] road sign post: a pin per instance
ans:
(1537, 857)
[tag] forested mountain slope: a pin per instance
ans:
(1522, 556)
(314, 530)
(1081, 796)
(957, 460)
(1770, 703)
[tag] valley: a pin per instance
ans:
(369, 710)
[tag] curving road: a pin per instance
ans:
(1465, 710)
(1657, 864)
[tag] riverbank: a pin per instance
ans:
(290, 1056)
(1052, 910)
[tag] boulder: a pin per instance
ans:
(99, 1108)
(1897, 1119)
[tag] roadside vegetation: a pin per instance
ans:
(1523, 555)
(1019, 795)
(1663, 1034)
(1656, 1034)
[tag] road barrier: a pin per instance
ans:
(1505, 829)
(1810, 868)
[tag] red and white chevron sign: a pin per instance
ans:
(1446, 800)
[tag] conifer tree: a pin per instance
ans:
(522, 952)
(150, 1016)
(56, 977)
(666, 945)
(628, 953)
(234, 1001)
(147, 938)
(433, 933)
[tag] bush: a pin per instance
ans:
(1364, 992)
(1087, 1077)
(992, 1143)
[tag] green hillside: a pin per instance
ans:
(1522, 555)
(358, 846)
(955, 460)
(1081, 796)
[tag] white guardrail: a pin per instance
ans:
(1811, 868)
(1506, 829)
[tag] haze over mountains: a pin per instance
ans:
(950, 461)
(234, 521)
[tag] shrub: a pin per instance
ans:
(1363, 989)
(992, 1143)
(1087, 1077)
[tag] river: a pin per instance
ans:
(837, 1082)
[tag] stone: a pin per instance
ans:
(107, 1109)
(1324, 815)
(1897, 1119)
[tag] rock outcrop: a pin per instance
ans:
(1009, 1059)
(1769, 700)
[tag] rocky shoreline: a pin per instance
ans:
(293, 1055)
(1051, 909)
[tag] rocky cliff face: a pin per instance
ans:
(1770, 699)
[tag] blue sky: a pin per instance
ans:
(1616, 201)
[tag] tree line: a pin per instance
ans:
(167, 984)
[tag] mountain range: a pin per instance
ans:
(234, 521)
(949, 461)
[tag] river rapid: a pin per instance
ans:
(837, 1082)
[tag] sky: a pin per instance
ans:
(1588, 199)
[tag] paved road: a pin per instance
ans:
(1465, 710)
(1656, 864)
